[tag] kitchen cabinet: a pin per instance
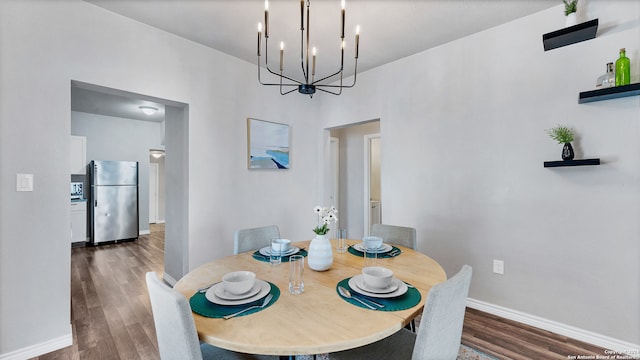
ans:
(78, 156)
(78, 221)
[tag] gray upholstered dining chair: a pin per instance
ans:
(396, 235)
(175, 329)
(255, 238)
(439, 333)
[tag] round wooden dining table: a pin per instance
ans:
(316, 321)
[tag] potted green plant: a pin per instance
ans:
(570, 8)
(563, 135)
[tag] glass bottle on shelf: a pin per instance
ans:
(623, 69)
(608, 79)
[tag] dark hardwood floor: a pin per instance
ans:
(107, 324)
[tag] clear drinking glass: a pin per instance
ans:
(275, 256)
(370, 256)
(341, 245)
(296, 272)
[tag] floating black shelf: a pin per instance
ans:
(580, 162)
(609, 93)
(570, 35)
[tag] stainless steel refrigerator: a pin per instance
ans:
(114, 200)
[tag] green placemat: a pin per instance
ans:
(389, 254)
(201, 306)
(406, 301)
(256, 255)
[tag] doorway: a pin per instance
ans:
(116, 106)
(372, 182)
(156, 186)
(348, 174)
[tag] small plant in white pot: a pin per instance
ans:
(570, 11)
(563, 135)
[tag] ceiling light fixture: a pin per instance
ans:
(157, 154)
(148, 110)
(309, 85)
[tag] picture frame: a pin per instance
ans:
(267, 145)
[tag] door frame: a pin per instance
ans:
(154, 174)
(367, 181)
(335, 162)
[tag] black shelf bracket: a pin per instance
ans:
(580, 162)
(570, 35)
(609, 93)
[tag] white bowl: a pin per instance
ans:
(238, 282)
(280, 245)
(377, 277)
(372, 242)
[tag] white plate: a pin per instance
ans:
(393, 286)
(221, 293)
(264, 286)
(356, 283)
(382, 249)
(266, 251)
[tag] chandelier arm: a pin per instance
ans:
(285, 77)
(355, 74)
(327, 77)
(327, 91)
(280, 84)
(290, 91)
(285, 93)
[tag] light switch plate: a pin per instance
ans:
(24, 182)
(498, 267)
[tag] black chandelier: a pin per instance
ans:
(309, 85)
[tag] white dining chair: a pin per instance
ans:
(396, 235)
(176, 331)
(439, 333)
(254, 239)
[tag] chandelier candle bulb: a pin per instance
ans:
(259, 37)
(357, 39)
(313, 65)
(301, 14)
(266, 18)
(343, 14)
(281, 55)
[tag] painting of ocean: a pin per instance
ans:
(268, 144)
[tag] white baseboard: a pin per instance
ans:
(573, 332)
(40, 349)
(144, 232)
(171, 281)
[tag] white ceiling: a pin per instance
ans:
(390, 30)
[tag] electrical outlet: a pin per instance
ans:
(498, 267)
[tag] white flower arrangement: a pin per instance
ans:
(326, 216)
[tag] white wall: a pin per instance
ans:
(46, 45)
(463, 145)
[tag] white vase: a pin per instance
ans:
(320, 254)
(572, 19)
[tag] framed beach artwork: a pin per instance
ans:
(268, 144)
